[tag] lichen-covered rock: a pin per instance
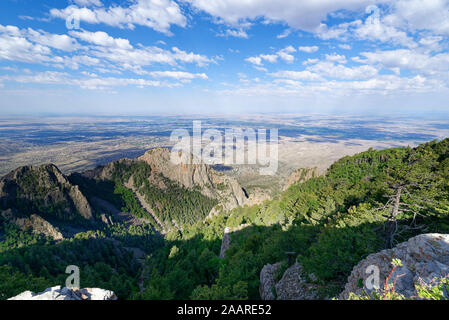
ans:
(424, 258)
(268, 277)
(294, 286)
(56, 293)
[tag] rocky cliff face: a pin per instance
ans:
(56, 293)
(424, 258)
(200, 177)
(301, 175)
(209, 182)
(43, 189)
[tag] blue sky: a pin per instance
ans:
(220, 56)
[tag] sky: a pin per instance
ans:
(223, 56)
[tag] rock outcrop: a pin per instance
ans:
(35, 224)
(80, 202)
(293, 285)
(56, 293)
(225, 242)
(424, 258)
(268, 277)
(258, 196)
(106, 219)
(301, 175)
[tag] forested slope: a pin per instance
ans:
(363, 204)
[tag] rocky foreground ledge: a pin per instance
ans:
(425, 259)
(56, 293)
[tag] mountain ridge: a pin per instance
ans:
(319, 228)
(46, 187)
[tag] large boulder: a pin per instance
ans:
(268, 277)
(293, 285)
(56, 293)
(424, 258)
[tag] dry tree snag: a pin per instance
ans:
(392, 223)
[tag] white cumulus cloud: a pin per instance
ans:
(305, 14)
(308, 49)
(156, 14)
(283, 54)
(88, 3)
(297, 75)
(102, 39)
(237, 33)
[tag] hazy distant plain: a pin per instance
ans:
(81, 143)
